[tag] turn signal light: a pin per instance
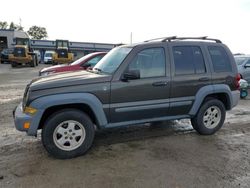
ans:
(26, 125)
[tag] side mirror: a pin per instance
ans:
(247, 65)
(131, 75)
(31, 53)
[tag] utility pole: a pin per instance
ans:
(131, 38)
(20, 22)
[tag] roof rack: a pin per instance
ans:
(169, 39)
(158, 38)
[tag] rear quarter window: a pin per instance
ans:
(220, 59)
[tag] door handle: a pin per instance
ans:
(160, 84)
(204, 79)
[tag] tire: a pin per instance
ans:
(32, 63)
(36, 61)
(13, 64)
(243, 93)
(74, 128)
(214, 112)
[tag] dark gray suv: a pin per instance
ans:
(165, 79)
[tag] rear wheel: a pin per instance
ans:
(210, 117)
(13, 64)
(68, 133)
(243, 93)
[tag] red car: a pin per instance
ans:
(83, 63)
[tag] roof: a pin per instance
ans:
(20, 34)
(14, 33)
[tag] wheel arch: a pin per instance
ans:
(88, 103)
(221, 92)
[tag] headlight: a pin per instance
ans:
(46, 73)
(29, 110)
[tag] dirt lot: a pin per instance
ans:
(170, 154)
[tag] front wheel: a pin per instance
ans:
(68, 133)
(210, 117)
(32, 63)
(13, 64)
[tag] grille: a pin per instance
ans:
(62, 53)
(19, 52)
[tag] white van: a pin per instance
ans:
(48, 57)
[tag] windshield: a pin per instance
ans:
(110, 62)
(81, 59)
(240, 60)
(48, 54)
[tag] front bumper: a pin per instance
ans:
(20, 118)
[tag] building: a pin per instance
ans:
(7, 37)
(7, 40)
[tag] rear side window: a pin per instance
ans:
(188, 60)
(220, 59)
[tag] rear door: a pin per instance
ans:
(148, 96)
(190, 72)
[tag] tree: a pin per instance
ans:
(13, 26)
(3, 25)
(37, 32)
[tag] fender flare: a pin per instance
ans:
(91, 100)
(207, 90)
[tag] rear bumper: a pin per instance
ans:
(21, 60)
(235, 97)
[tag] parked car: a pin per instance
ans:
(38, 55)
(151, 81)
(5, 55)
(83, 63)
(243, 63)
(48, 57)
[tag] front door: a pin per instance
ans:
(146, 97)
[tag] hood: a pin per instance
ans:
(47, 69)
(67, 79)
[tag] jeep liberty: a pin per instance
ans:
(165, 79)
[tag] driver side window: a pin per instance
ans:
(92, 62)
(150, 63)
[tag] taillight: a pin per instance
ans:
(237, 81)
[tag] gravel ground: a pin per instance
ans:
(169, 154)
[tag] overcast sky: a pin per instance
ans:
(112, 21)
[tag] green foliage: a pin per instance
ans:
(3, 25)
(37, 32)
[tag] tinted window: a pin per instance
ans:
(188, 60)
(150, 63)
(220, 59)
